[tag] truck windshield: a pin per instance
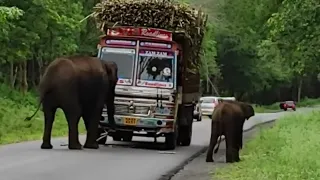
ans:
(156, 69)
(125, 61)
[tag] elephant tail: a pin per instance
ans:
(30, 117)
(219, 141)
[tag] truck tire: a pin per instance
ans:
(127, 136)
(185, 135)
(116, 136)
(103, 140)
(170, 141)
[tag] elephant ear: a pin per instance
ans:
(249, 111)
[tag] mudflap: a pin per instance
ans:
(185, 135)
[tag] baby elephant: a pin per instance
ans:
(228, 119)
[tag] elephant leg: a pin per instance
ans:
(49, 114)
(236, 156)
(86, 123)
(213, 142)
(92, 117)
(73, 118)
(92, 120)
(230, 146)
(239, 140)
(239, 137)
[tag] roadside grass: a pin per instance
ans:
(288, 151)
(306, 102)
(15, 107)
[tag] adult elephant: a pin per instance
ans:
(228, 119)
(80, 86)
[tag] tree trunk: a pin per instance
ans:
(24, 77)
(20, 77)
(11, 74)
(40, 64)
(299, 89)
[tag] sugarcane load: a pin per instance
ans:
(156, 46)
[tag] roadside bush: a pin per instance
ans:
(14, 108)
(306, 102)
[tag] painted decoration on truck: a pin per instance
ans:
(156, 33)
(155, 45)
(140, 31)
(156, 69)
(121, 42)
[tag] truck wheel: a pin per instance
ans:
(127, 136)
(103, 140)
(116, 136)
(185, 135)
(170, 141)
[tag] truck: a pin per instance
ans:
(155, 93)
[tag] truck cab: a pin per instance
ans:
(147, 94)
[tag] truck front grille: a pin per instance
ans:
(124, 109)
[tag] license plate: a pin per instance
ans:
(130, 121)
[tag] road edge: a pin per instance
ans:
(170, 174)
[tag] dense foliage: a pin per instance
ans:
(267, 50)
(262, 51)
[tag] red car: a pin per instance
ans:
(288, 105)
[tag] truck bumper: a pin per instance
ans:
(141, 126)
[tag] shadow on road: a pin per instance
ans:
(138, 145)
(148, 143)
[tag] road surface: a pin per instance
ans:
(26, 161)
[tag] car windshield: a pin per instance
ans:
(124, 58)
(208, 100)
(155, 69)
(290, 102)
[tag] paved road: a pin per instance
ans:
(135, 161)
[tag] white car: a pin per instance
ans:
(228, 98)
(207, 105)
(197, 114)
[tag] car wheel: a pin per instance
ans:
(127, 136)
(285, 109)
(117, 136)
